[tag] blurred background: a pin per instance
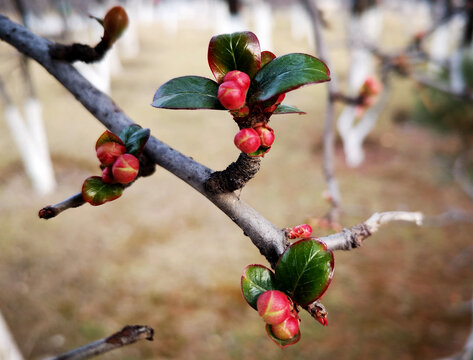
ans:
(162, 255)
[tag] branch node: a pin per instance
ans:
(234, 177)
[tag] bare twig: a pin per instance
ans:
(349, 239)
(126, 336)
(328, 136)
(51, 211)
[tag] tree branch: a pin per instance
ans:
(269, 239)
(126, 336)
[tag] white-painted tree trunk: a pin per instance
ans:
(8, 348)
(31, 142)
(367, 27)
(263, 24)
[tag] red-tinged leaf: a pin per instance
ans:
(238, 51)
(304, 271)
(96, 192)
(282, 343)
(266, 57)
(286, 73)
(256, 279)
(108, 136)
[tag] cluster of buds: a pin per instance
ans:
(118, 166)
(299, 232)
(278, 311)
(255, 141)
(232, 92)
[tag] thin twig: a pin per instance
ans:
(126, 336)
(51, 211)
(353, 237)
(328, 135)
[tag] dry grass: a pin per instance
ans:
(162, 255)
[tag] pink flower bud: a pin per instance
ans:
(287, 329)
(125, 168)
(247, 140)
(231, 95)
(108, 152)
(266, 135)
(273, 306)
(239, 77)
(107, 176)
(300, 232)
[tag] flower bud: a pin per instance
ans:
(287, 329)
(239, 77)
(266, 135)
(114, 23)
(231, 95)
(247, 140)
(107, 176)
(108, 152)
(300, 232)
(273, 306)
(125, 168)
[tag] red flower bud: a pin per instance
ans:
(300, 232)
(239, 77)
(231, 95)
(107, 176)
(114, 23)
(108, 152)
(287, 329)
(273, 306)
(247, 140)
(125, 168)
(266, 135)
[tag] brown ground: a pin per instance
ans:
(162, 255)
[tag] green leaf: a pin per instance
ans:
(237, 51)
(286, 73)
(304, 270)
(188, 92)
(96, 192)
(256, 279)
(282, 343)
(135, 138)
(287, 109)
(107, 136)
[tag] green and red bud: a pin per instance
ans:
(300, 232)
(243, 112)
(108, 152)
(114, 23)
(239, 77)
(266, 135)
(231, 95)
(125, 168)
(273, 306)
(247, 140)
(287, 329)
